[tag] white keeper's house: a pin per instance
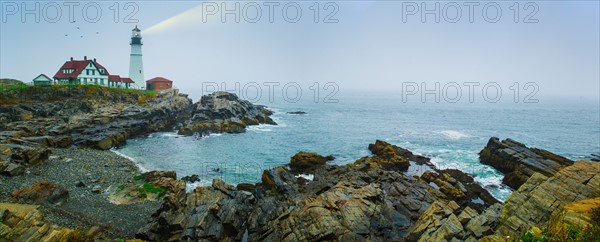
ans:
(82, 72)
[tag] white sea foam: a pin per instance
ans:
(260, 128)
(142, 168)
(453, 134)
(309, 177)
(171, 134)
(189, 187)
(279, 121)
(212, 135)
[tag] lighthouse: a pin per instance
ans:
(136, 66)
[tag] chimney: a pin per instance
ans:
(94, 60)
(85, 57)
(71, 58)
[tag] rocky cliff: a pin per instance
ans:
(86, 116)
(518, 162)
(101, 118)
(223, 112)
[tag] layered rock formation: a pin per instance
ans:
(223, 112)
(40, 193)
(87, 116)
(20, 222)
(365, 200)
(518, 162)
(541, 197)
(15, 158)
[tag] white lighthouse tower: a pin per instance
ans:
(136, 66)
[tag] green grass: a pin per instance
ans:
(567, 233)
(14, 87)
(18, 86)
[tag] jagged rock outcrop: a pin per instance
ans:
(460, 188)
(541, 197)
(344, 203)
(223, 112)
(209, 213)
(19, 222)
(382, 148)
(15, 158)
(518, 162)
(86, 116)
(307, 162)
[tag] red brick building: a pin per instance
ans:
(159, 83)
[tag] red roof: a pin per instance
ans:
(78, 66)
(158, 79)
(127, 80)
(114, 78)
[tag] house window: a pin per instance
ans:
(160, 84)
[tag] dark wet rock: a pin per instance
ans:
(80, 184)
(11, 169)
(461, 188)
(29, 155)
(297, 112)
(40, 193)
(518, 162)
(156, 175)
(307, 162)
(246, 187)
(223, 112)
(191, 179)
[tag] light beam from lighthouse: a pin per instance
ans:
(136, 66)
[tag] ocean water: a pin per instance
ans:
(451, 134)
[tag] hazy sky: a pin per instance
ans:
(369, 48)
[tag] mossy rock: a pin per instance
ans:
(395, 163)
(303, 162)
